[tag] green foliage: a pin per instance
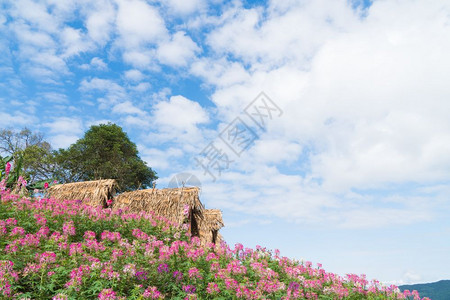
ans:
(51, 249)
(439, 290)
(39, 163)
(11, 176)
(35, 153)
(105, 151)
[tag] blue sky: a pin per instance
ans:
(351, 168)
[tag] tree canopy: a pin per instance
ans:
(35, 153)
(105, 151)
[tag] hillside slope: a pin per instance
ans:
(439, 290)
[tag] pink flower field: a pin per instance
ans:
(66, 250)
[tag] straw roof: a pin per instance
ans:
(168, 203)
(93, 193)
(212, 219)
(210, 226)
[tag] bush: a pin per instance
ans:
(65, 250)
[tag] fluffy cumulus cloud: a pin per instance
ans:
(17, 118)
(139, 23)
(134, 75)
(100, 20)
(364, 97)
(177, 51)
(64, 131)
(140, 27)
(160, 159)
(127, 108)
(108, 91)
(184, 7)
(357, 85)
(179, 118)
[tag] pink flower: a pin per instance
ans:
(186, 210)
(194, 273)
(21, 181)
(212, 288)
(69, 228)
(17, 231)
(177, 275)
(7, 168)
(107, 294)
(163, 268)
(109, 202)
(46, 258)
(89, 235)
(152, 293)
(46, 185)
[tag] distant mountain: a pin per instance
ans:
(435, 290)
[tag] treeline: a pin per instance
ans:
(105, 151)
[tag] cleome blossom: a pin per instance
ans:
(72, 251)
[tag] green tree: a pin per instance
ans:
(34, 152)
(105, 151)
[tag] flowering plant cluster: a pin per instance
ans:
(53, 249)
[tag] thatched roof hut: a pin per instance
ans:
(210, 226)
(94, 193)
(168, 203)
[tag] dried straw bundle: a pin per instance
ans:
(210, 226)
(94, 193)
(168, 203)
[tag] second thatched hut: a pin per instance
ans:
(168, 203)
(94, 193)
(210, 225)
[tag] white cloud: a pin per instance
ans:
(98, 63)
(74, 42)
(133, 121)
(100, 21)
(98, 122)
(364, 98)
(280, 36)
(50, 61)
(160, 159)
(139, 23)
(127, 108)
(140, 58)
(62, 140)
(2, 19)
(36, 14)
(56, 97)
(26, 35)
(113, 91)
(179, 114)
(178, 51)
(177, 120)
(15, 118)
(409, 277)
(141, 87)
(65, 125)
(276, 151)
(184, 7)
(220, 73)
(44, 41)
(64, 131)
(134, 75)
